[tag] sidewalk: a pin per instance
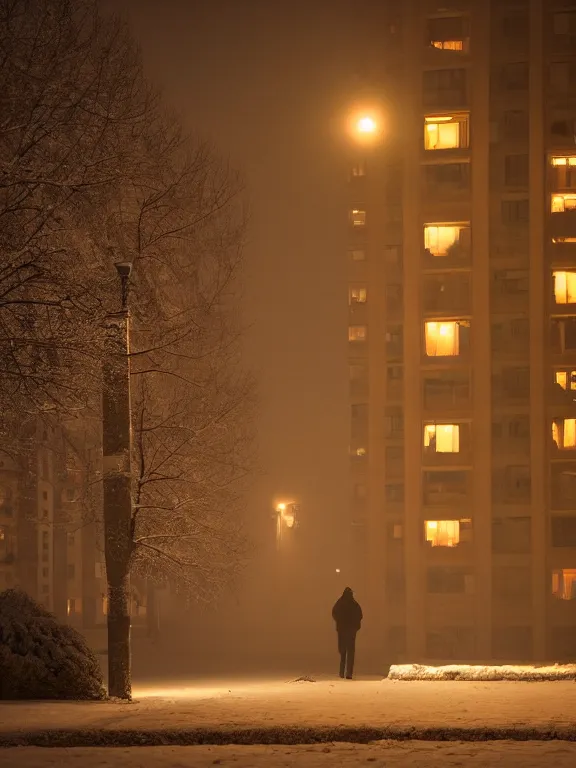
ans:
(274, 711)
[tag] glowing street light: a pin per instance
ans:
(366, 124)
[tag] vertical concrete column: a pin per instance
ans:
(479, 79)
(539, 369)
(413, 237)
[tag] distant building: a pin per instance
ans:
(462, 334)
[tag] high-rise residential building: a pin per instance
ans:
(462, 333)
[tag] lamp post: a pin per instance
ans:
(117, 488)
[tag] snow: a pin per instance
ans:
(327, 703)
(380, 755)
(527, 673)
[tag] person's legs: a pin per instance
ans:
(350, 654)
(342, 652)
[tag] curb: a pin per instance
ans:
(275, 735)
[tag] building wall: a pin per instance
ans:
(507, 71)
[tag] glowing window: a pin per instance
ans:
(357, 295)
(359, 452)
(563, 202)
(442, 438)
(357, 254)
(564, 287)
(440, 238)
(358, 217)
(359, 169)
(564, 161)
(564, 433)
(443, 339)
(564, 584)
(446, 132)
(357, 333)
(564, 239)
(448, 45)
(442, 533)
(566, 379)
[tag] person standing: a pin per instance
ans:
(347, 614)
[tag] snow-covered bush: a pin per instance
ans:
(530, 673)
(41, 658)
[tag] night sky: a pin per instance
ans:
(268, 83)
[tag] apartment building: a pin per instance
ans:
(462, 333)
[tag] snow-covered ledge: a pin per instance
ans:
(483, 673)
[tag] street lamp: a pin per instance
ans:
(366, 124)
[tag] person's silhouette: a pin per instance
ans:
(348, 617)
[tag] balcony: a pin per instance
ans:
(447, 246)
(563, 340)
(562, 222)
(563, 485)
(446, 393)
(511, 485)
(511, 386)
(446, 489)
(510, 339)
(446, 294)
(446, 340)
(446, 445)
(509, 290)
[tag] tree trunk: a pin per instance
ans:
(117, 482)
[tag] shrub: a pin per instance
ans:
(41, 658)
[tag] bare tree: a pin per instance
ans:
(93, 169)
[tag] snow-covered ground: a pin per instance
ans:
(327, 703)
(380, 755)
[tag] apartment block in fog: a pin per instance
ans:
(462, 334)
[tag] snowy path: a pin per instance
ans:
(327, 703)
(383, 755)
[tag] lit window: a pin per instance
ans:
(358, 217)
(359, 453)
(359, 169)
(442, 438)
(564, 584)
(446, 132)
(563, 161)
(564, 202)
(443, 339)
(442, 533)
(565, 378)
(357, 333)
(564, 287)
(564, 433)
(564, 239)
(448, 45)
(440, 238)
(357, 254)
(357, 295)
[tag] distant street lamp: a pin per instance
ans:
(117, 488)
(367, 124)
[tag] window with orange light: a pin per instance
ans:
(447, 533)
(564, 287)
(564, 433)
(358, 217)
(446, 132)
(563, 202)
(564, 583)
(440, 239)
(566, 379)
(442, 438)
(442, 338)
(357, 333)
(357, 294)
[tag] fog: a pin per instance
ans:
(267, 83)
